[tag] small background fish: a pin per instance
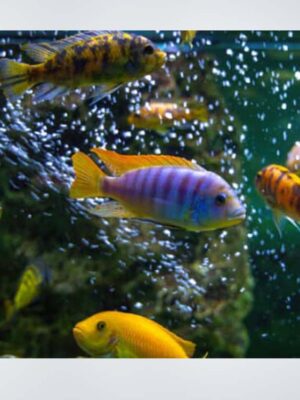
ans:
(293, 159)
(29, 287)
(160, 116)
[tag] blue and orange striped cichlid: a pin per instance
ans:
(281, 190)
(164, 189)
(105, 59)
(126, 335)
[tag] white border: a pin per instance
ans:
(149, 14)
(86, 379)
(149, 379)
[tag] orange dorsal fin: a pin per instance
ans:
(118, 164)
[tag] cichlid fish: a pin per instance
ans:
(126, 335)
(188, 37)
(105, 59)
(164, 189)
(31, 281)
(281, 190)
(160, 116)
(293, 160)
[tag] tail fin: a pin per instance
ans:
(9, 309)
(14, 78)
(89, 177)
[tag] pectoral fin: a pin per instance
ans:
(280, 220)
(48, 91)
(294, 223)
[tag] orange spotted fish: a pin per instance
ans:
(105, 59)
(164, 189)
(126, 335)
(293, 160)
(281, 190)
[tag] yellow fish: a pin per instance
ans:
(28, 289)
(293, 160)
(188, 37)
(160, 116)
(126, 335)
(105, 59)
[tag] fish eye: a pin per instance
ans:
(148, 50)
(101, 325)
(220, 199)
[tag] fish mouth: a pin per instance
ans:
(78, 333)
(238, 215)
(162, 56)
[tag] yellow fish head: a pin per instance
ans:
(95, 335)
(145, 58)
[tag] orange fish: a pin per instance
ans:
(126, 335)
(281, 190)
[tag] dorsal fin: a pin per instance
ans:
(118, 164)
(188, 346)
(41, 52)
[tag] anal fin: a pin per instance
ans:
(101, 92)
(280, 219)
(48, 91)
(112, 209)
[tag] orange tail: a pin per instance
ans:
(89, 177)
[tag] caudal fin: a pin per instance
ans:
(89, 177)
(14, 78)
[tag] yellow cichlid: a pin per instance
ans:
(126, 335)
(28, 289)
(160, 116)
(105, 59)
(188, 37)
